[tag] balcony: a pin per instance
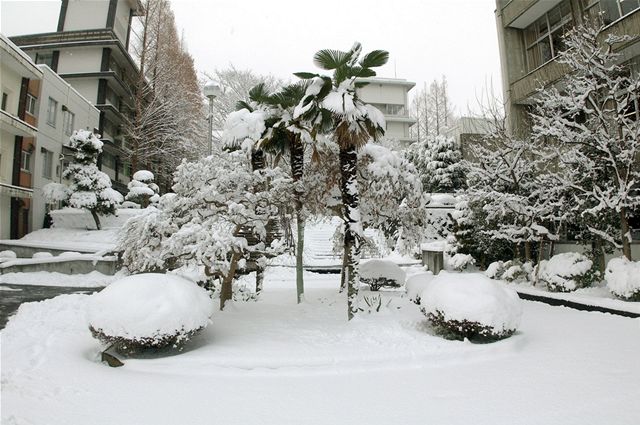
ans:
(16, 126)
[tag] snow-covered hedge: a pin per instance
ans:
(460, 262)
(417, 284)
(472, 306)
(378, 273)
(623, 278)
(567, 272)
(149, 310)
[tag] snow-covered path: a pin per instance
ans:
(275, 362)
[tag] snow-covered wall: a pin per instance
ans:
(71, 218)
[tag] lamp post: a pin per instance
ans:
(211, 90)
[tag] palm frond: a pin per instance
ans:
(331, 59)
(259, 93)
(241, 104)
(374, 58)
(305, 75)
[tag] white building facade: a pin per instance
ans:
(391, 97)
(62, 110)
(19, 81)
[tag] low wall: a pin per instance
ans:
(106, 266)
(72, 218)
(27, 251)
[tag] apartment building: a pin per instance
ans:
(530, 37)
(20, 84)
(89, 50)
(62, 110)
(391, 97)
(468, 131)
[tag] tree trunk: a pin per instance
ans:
(257, 159)
(96, 219)
(259, 280)
(351, 215)
(296, 150)
(226, 292)
(540, 257)
(624, 230)
(343, 271)
(527, 251)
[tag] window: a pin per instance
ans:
(25, 165)
(45, 58)
(5, 100)
(52, 112)
(47, 163)
(609, 11)
(543, 38)
(68, 120)
(31, 105)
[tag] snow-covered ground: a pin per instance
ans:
(276, 362)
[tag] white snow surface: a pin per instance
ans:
(278, 362)
(148, 305)
(8, 254)
(71, 239)
(377, 268)
(41, 255)
(417, 284)
(623, 277)
(473, 297)
(143, 176)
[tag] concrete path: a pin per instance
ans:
(11, 296)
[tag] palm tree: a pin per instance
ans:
(354, 124)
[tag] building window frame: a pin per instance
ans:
(547, 31)
(52, 112)
(47, 163)
(68, 121)
(25, 161)
(30, 107)
(595, 11)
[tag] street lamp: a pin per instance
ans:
(211, 90)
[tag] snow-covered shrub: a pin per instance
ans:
(495, 270)
(471, 306)
(372, 303)
(567, 272)
(516, 271)
(87, 187)
(461, 261)
(416, 284)
(378, 273)
(142, 190)
(148, 311)
(623, 278)
(8, 254)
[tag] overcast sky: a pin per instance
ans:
(426, 38)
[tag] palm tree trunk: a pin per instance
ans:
(296, 150)
(351, 216)
(257, 159)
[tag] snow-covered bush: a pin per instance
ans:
(495, 270)
(471, 306)
(379, 273)
(516, 271)
(567, 272)
(87, 187)
(142, 190)
(417, 284)
(8, 254)
(148, 311)
(623, 278)
(461, 261)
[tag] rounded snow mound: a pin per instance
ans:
(567, 272)
(472, 306)
(40, 255)
(623, 278)
(378, 273)
(143, 176)
(8, 254)
(149, 310)
(417, 284)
